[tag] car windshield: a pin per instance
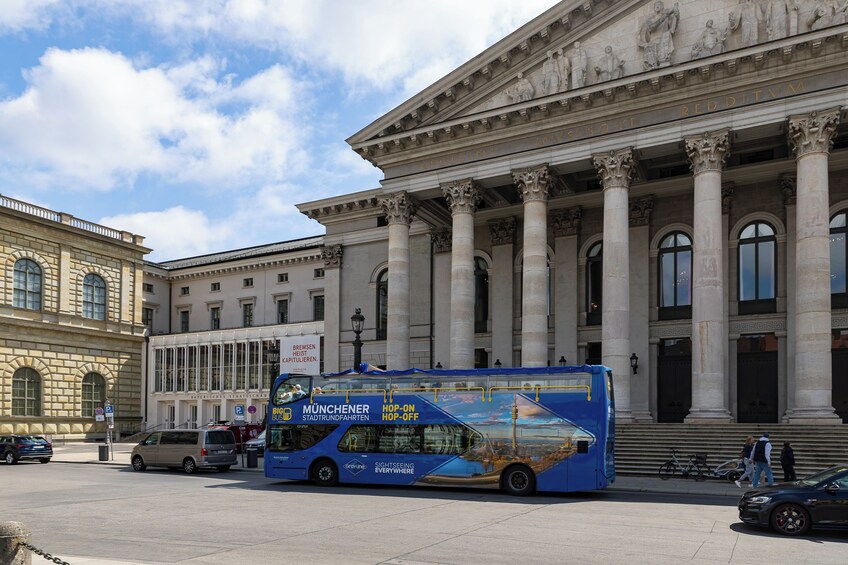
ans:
(822, 476)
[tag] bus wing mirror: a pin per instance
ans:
(582, 446)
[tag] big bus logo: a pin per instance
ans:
(287, 413)
(281, 413)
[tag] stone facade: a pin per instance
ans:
(57, 338)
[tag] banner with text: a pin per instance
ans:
(301, 354)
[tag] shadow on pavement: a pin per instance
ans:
(814, 536)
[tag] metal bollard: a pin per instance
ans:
(11, 535)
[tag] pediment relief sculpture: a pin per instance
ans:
(656, 38)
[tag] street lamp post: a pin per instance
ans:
(356, 321)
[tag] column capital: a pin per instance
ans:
(533, 183)
(707, 151)
(441, 240)
(567, 221)
(789, 188)
(332, 256)
(615, 168)
(399, 208)
(502, 231)
(727, 190)
(640, 211)
(462, 196)
(813, 132)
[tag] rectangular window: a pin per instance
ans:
(147, 287)
(183, 321)
(282, 311)
(247, 315)
(248, 282)
(283, 278)
(184, 291)
(318, 308)
(147, 318)
(215, 318)
(215, 287)
(318, 273)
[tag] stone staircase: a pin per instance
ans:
(640, 449)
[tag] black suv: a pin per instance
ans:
(17, 447)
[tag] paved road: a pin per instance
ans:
(97, 514)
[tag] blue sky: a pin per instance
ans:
(201, 123)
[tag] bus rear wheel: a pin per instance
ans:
(519, 480)
(325, 473)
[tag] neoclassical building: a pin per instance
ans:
(71, 331)
(661, 188)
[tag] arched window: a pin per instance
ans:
(93, 297)
(838, 260)
(26, 392)
(27, 285)
(382, 303)
(93, 393)
(594, 284)
(675, 263)
(757, 269)
(481, 295)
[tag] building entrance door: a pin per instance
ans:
(840, 374)
(674, 380)
(756, 379)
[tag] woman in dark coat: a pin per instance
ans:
(787, 461)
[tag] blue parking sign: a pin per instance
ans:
(109, 409)
(239, 409)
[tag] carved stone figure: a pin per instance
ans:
(564, 69)
(840, 16)
(747, 21)
(550, 74)
(656, 37)
(821, 17)
(777, 17)
(711, 42)
(521, 91)
(609, 67)
(579, 66)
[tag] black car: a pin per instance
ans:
(17, 447)
(818, 501)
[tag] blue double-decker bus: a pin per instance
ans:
(522, 430)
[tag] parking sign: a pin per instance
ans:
(239, 411)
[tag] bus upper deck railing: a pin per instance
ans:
(388, 395)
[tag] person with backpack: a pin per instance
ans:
(746, 455)
(762, 461)
(787, 461)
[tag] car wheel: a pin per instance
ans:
(667, 470)
(10, 458)
(790, 520)
(223, 468)
(45, 460)
(325, 473)
(138, 463)
(519, 481)
(189, 466)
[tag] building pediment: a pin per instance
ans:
(578, 55)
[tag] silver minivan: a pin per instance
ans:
(189, 449)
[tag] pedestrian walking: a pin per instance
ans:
(762, 461)
(787, 461)
(747, 454)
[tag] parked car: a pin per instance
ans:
(242, 432)
(189, 449)
(17, 447)
(258, 443)
(817, 501)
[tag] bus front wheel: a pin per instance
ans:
(325, 473)
(519, 481)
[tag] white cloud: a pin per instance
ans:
(90, 118)
(19, 15)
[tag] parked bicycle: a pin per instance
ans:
(695, 468)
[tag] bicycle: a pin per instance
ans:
(696, 467)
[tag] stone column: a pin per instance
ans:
(640, 242)
(502, 233)
(787, 184)
(462, 197)
(533, 184)
(615, 169)
(566, 224)
(399, 209)
(811, 137)
(332, 256)
(707, 153)
(441, 295)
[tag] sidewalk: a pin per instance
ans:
(88, 453)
